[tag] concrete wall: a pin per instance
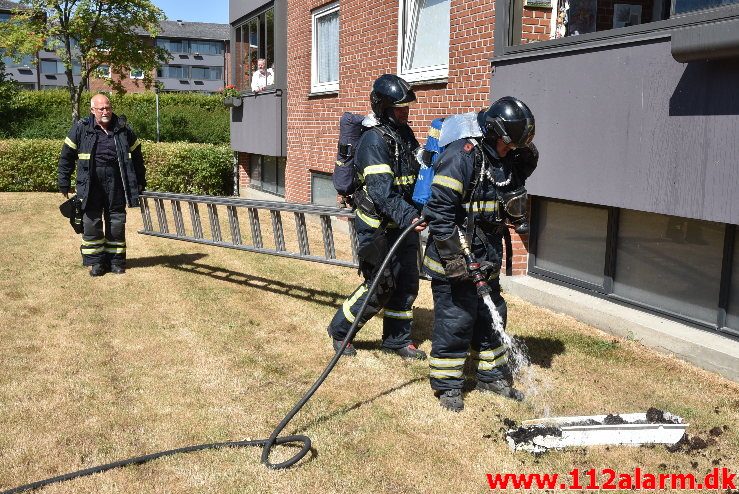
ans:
(630, 127)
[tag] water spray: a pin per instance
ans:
(265, 444)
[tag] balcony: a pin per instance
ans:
(259, 125)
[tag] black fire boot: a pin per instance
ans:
(115, 269)
(349, 351)
(501, 387)
(409, 352)
(451, 399)
(98, 270)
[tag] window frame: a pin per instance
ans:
(505, 23)
(315, 86)
(428, 73)
(136, 77)
(606, 289)
(240, 58)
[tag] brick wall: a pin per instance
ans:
(130, 85)
(536, 24)
(368, 48)
(244, 178)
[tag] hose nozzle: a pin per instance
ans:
(478, 277)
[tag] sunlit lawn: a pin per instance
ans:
(199, 344)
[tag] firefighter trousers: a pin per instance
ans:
(463, 327)
(396, 292)
(104, 219)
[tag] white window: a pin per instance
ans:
(137, 74)
(103, 72)
(325, 49)
(423, 39)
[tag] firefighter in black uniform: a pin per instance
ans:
(388, 168)
(477, 188)
(110, 176)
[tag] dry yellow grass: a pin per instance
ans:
(198, 344)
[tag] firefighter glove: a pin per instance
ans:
(452, 257)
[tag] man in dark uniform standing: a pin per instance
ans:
(477, 189)
(110, 176)
(384, 208)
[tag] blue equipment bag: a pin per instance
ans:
(432, 150)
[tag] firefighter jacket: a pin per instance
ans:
(79, 146)
(388, 168)
(468, 186)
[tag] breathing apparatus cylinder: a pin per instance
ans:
(474, 268)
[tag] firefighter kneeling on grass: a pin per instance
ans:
(385, 160)
(110, 176)
(476, 189)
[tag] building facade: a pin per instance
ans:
(637, 194)
(636, 198)
(334, 51)
(199, 61)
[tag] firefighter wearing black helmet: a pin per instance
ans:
(386, 162)
(477, 191)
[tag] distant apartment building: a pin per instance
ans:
(199, 61)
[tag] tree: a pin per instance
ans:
(8, 89)
(86, 34)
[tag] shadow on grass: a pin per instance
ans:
(173, 260)
(188, 263)
(542, 350)
(343, 411)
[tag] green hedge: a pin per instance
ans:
(188, 117)
(30, 165)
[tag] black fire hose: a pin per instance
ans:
(266, 444)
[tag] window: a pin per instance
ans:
(4, 16)
(254, 39)
(571, 240)
(663, 263)
(682, 6)
(26, 62)
(325, 49)
(206, 47)
(103, 71)
(188, 72)
(137, 74)
(732, 316)
(656, 263)
(193, 46)
(541, 20)
(57, 67)
(424, 39)
(267, 173)
(322, 189)
(172, 45)
(206, 73)
(173, 72)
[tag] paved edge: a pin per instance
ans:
(715, 352)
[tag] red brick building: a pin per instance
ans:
(335, 50)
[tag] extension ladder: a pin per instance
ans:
(228, 216)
